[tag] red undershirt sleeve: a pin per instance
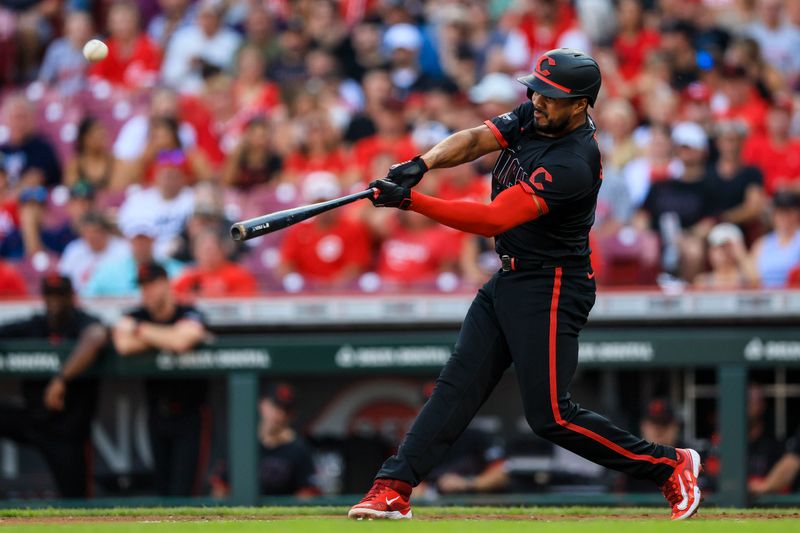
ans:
(512, 207)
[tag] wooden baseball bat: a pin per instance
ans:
(255, 227)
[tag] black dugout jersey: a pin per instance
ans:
(565, 172)
(173, 396)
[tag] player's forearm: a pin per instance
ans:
(782, 474)
(511, 208)
(85, 352)
(460, 147)
(174, 338)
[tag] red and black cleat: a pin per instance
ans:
(387, 499)
(681, 489)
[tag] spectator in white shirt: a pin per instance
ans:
(175, 15)
(206, 42)
(95, 245)
(165, 206)
(778, 38)
(64, 66)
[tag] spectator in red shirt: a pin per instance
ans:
(252, 94)
(391, 137)
(133, 59)
(318, 150)
(742, 99)
(542, 23)
(415, 252)
(633, 41)
(11, 282)
(775, 152)
(329, 249)
(213, 274)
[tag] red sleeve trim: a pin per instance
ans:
(496, 133)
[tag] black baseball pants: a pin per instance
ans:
(532, 319)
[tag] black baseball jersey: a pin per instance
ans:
(173, 396)
(565, 172)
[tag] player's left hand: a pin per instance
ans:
(391, 195)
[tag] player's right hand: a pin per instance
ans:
(390, 194)
(408, 173)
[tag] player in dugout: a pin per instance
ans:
(530, 313)
(177, 411)
(57, 412)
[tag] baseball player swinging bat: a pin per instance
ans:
(255, 227)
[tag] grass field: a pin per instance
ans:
(427, 519)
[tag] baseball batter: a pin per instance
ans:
(544, 193)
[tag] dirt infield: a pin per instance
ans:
(655, 515)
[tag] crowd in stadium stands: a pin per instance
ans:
(209, 111)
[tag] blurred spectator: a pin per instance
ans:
(212, 274)
(208, 215)
(318, 149)
(402, 43)
(377, 88)
(656, 164)
(92, 161)
(57, 413)
(618, 120)
(478, 259)
(117, 276)
(738, 188)
(133, 59)
(259, 32)
(95, 245)
(660, 425)
(206, 43)
(253, 161)
(731, 267)
(739, 99)
(634, 40)
(289, 66)
(414, 251)
(328, 249)
(777, 252)
(391, 137)
(775, 152)
(164, 147)
(178, 420)
(29, 159)
(495, 94)
(11, 282)
(541, 23)
(9, 214)
(64, 66)
(677, 45)
(166, 205)
(174, 15)
(783, 475)
(361, 52)
(285, 462)
(778, 38)
(678, 209)
(252, 94)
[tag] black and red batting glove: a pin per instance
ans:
(390, 194)
(408, 173)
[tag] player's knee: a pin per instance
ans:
(541, 425)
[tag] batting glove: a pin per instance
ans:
(390, 195)
(407, 173)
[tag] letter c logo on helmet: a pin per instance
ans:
(542, 59)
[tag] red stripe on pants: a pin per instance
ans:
(554, 389)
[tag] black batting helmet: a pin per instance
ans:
(564, 73)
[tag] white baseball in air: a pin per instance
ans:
(95, 50)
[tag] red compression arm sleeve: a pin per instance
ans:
(510, 208)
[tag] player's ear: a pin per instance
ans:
(581, 106)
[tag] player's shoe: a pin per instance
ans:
(681, 489)
(388, 499)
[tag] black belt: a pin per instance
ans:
(509, 264)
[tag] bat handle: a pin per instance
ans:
(238, 232)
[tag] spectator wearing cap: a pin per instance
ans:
(92, 161)
(696, 105)
(166, 205)
(738, 188)
(402, 43)
(731, 267)
(29, 159)
(56, 414)
(117, 277)
(775, 152)
(212, 274)
(96, 244)
(777, 252)
(285, 461)
(777, 37)
(659, 424)
(678, 209)
(133, 59)
(495, 93)
(178, 419)
(206, 42)
(64, 67)
(329, 249)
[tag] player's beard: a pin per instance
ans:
(551, 127)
